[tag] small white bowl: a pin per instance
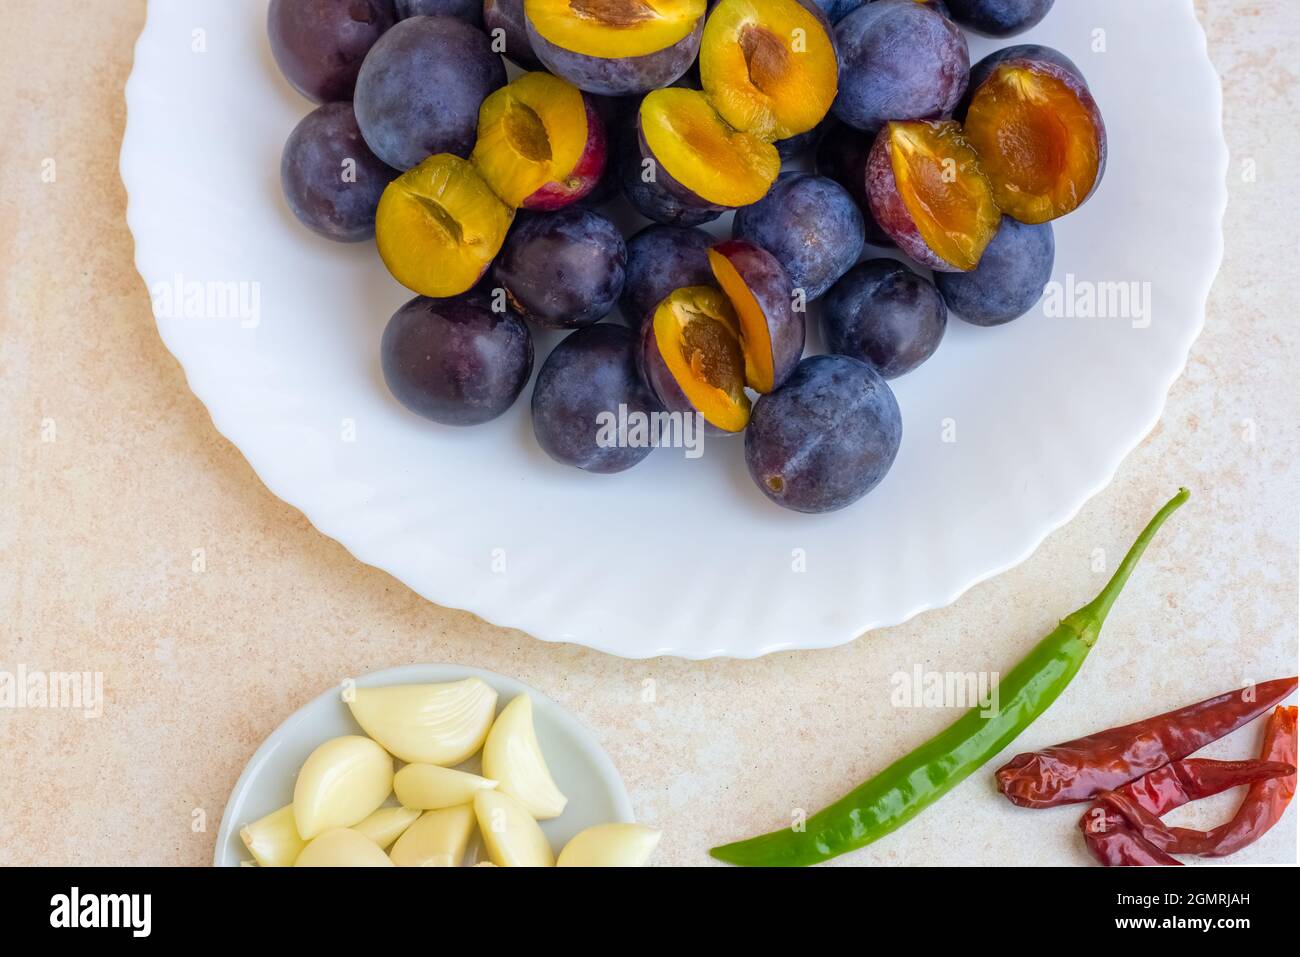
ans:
(581, 768)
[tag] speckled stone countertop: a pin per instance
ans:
(111, 475)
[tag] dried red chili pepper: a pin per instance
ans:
(1192, 779)
(1079, 770)
(1113, 843)
(1263, 804)
(1123, 828)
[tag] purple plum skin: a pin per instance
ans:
(618, 76)
(938, 6)
(652, 199)
(508, 17)
(1010, 279)
(836, 10)
(810, 224)
(842, 156)
(312, 174)
(999, 18)
(771, 288)
(886, 315)
(562, 270)
(319, 44)
(455, 361)
(661, 259)
(826, 438)
(590, 372)
(471, 11)
(795, 146)
(899, 60)
(613, 112)
(421, 87)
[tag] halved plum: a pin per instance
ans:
(698, 156)
(691, 358)
(769, 66)
(541, 143)
(439, 226)
(928, 192)
(615, 47)
(640, 180)
(771, 331)
(1038, 131)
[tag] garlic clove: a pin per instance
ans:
(610, 845)
(428, 786)
(342, 847)
(387, 824)
(341, 783)
(513, 757)
(273, 840)
(427, 724)
(438, 839)
(510, 835)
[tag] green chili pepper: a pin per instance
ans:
(908, 786)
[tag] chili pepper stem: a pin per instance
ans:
(1088, 619)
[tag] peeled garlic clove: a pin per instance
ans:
(273, 840)
(342, 782)
(438, 839)
(428, 787)
(427, 724)
(610, 845)
(510, 835)
(512, 756)
(387, 824)
(342, 847)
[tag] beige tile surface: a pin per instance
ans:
(98, 528)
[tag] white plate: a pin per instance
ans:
(675, 556)
(580, 767)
